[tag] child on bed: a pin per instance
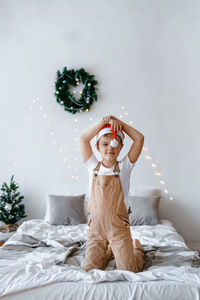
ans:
(109, 180)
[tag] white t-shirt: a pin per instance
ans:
(125, 167)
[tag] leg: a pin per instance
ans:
(95, 255)
(127, 258)
(139, 255)
(137, 245)
(124, 254)
(138, 251)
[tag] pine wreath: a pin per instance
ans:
(73, 78)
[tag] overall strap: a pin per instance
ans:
(116, 169)
(96, 170)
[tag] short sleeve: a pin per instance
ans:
(91, 162)
(127, 164)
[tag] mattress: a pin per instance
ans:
(42, 260)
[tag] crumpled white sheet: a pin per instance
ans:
(39, 254)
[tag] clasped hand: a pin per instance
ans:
(115, 123)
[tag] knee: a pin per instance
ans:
(87, 266)
(87, 269)
(138, 270)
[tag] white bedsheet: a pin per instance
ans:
(120, 290)
(39, 254)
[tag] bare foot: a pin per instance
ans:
(137, 245)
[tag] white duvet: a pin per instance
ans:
(39, 254)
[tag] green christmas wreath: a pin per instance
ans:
(73, 78)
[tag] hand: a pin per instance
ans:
(107, 119)
(115, 125)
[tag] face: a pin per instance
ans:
(106, 150)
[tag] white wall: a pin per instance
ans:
(145, 55)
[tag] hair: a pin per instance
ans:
(107, 135)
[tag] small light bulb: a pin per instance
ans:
(123, 107)
(162, 182)
(153, 165)
(41, 107)
(171, 198)
(60, 150)
(148, 157)
(166, 191)
(74, 92)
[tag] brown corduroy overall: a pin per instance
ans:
(109, 225)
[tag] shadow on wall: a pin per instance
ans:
(169, 209)
(175, 212)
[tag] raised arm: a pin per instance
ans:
(86, 137)
(135, 135)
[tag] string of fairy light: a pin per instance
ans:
(36, 103)
(72, 167)
(148, 157)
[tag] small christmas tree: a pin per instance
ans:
(11, 206)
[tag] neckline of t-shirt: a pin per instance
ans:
(112, 168)
(107, 169)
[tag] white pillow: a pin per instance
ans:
(138, 192)
(47, 214)
(144, 210)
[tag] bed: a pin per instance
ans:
(44, 260)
